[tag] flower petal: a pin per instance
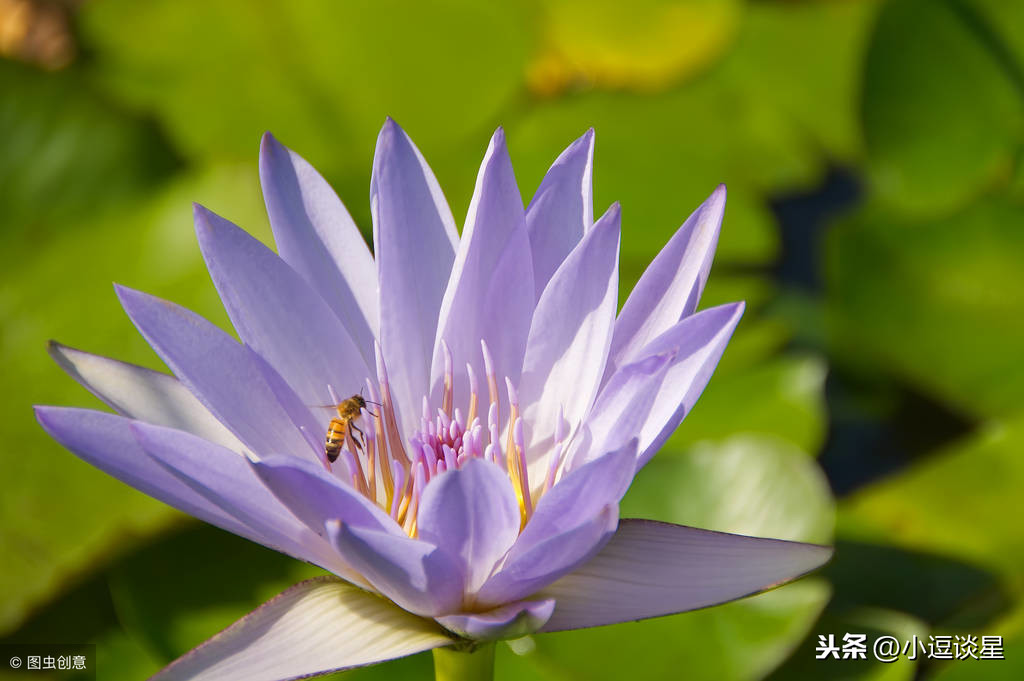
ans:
(317, 237)
(579, 495)
(315, 496)
(414, 241)
(568, 526)
(569, 337)
(217, 370)
(507, 621)
(698, 341)
(561, 211)
(318, 626)
(524, 573)
(106, 441)
(620, 411)
(490, 293)
(649, 569)
(142, 394)
(415, 574)
(299, 413)
(670, 288)
(225, 479)
(276, 312)
(472, 513)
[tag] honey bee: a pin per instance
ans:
(343, 426)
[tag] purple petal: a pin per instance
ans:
(471, 513)
(106, 441)
(217, 370)
(671, 286)
(315, 496)
(225, 479)
(414, 240)
(579, 495)
(561, 211)
(568, 526)
(508, 621)
(317, 237)
(316, 627)
(276, 313)
(526, 572)
(142, 394)
(490, 293)
(649, 569)
(299, 413)
(698, 341)
(415, 574)
(569, 336)
(620, 411)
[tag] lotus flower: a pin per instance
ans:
(505, 411)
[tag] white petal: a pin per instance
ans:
(316, 627)
(143, 394)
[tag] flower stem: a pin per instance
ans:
(477, 664)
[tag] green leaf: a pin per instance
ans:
(750, 485)
(921, 508)
(1004, 24)
(783, 397)
(939, 303)
(321, 75)
(643, 46)
(943, 118)
(873, 623)
(67, 151)
(818, 96)
(1009, 669)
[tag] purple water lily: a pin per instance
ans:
(505, 410)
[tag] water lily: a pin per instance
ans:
(505, 410)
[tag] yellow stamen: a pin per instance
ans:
(385, 468)
(512, 463)
(360, 477)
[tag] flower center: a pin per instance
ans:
(393, 471)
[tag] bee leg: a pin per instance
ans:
(361, 440)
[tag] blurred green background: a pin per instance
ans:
(873, 395)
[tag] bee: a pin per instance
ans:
(343, 426)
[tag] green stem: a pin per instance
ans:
(477, 664)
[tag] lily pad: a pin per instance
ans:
(817, 96)
(67, 151)
(914, 509)
(321, 75)
(943, 117)
(942, 303)
(784, 398)
(643, 46)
